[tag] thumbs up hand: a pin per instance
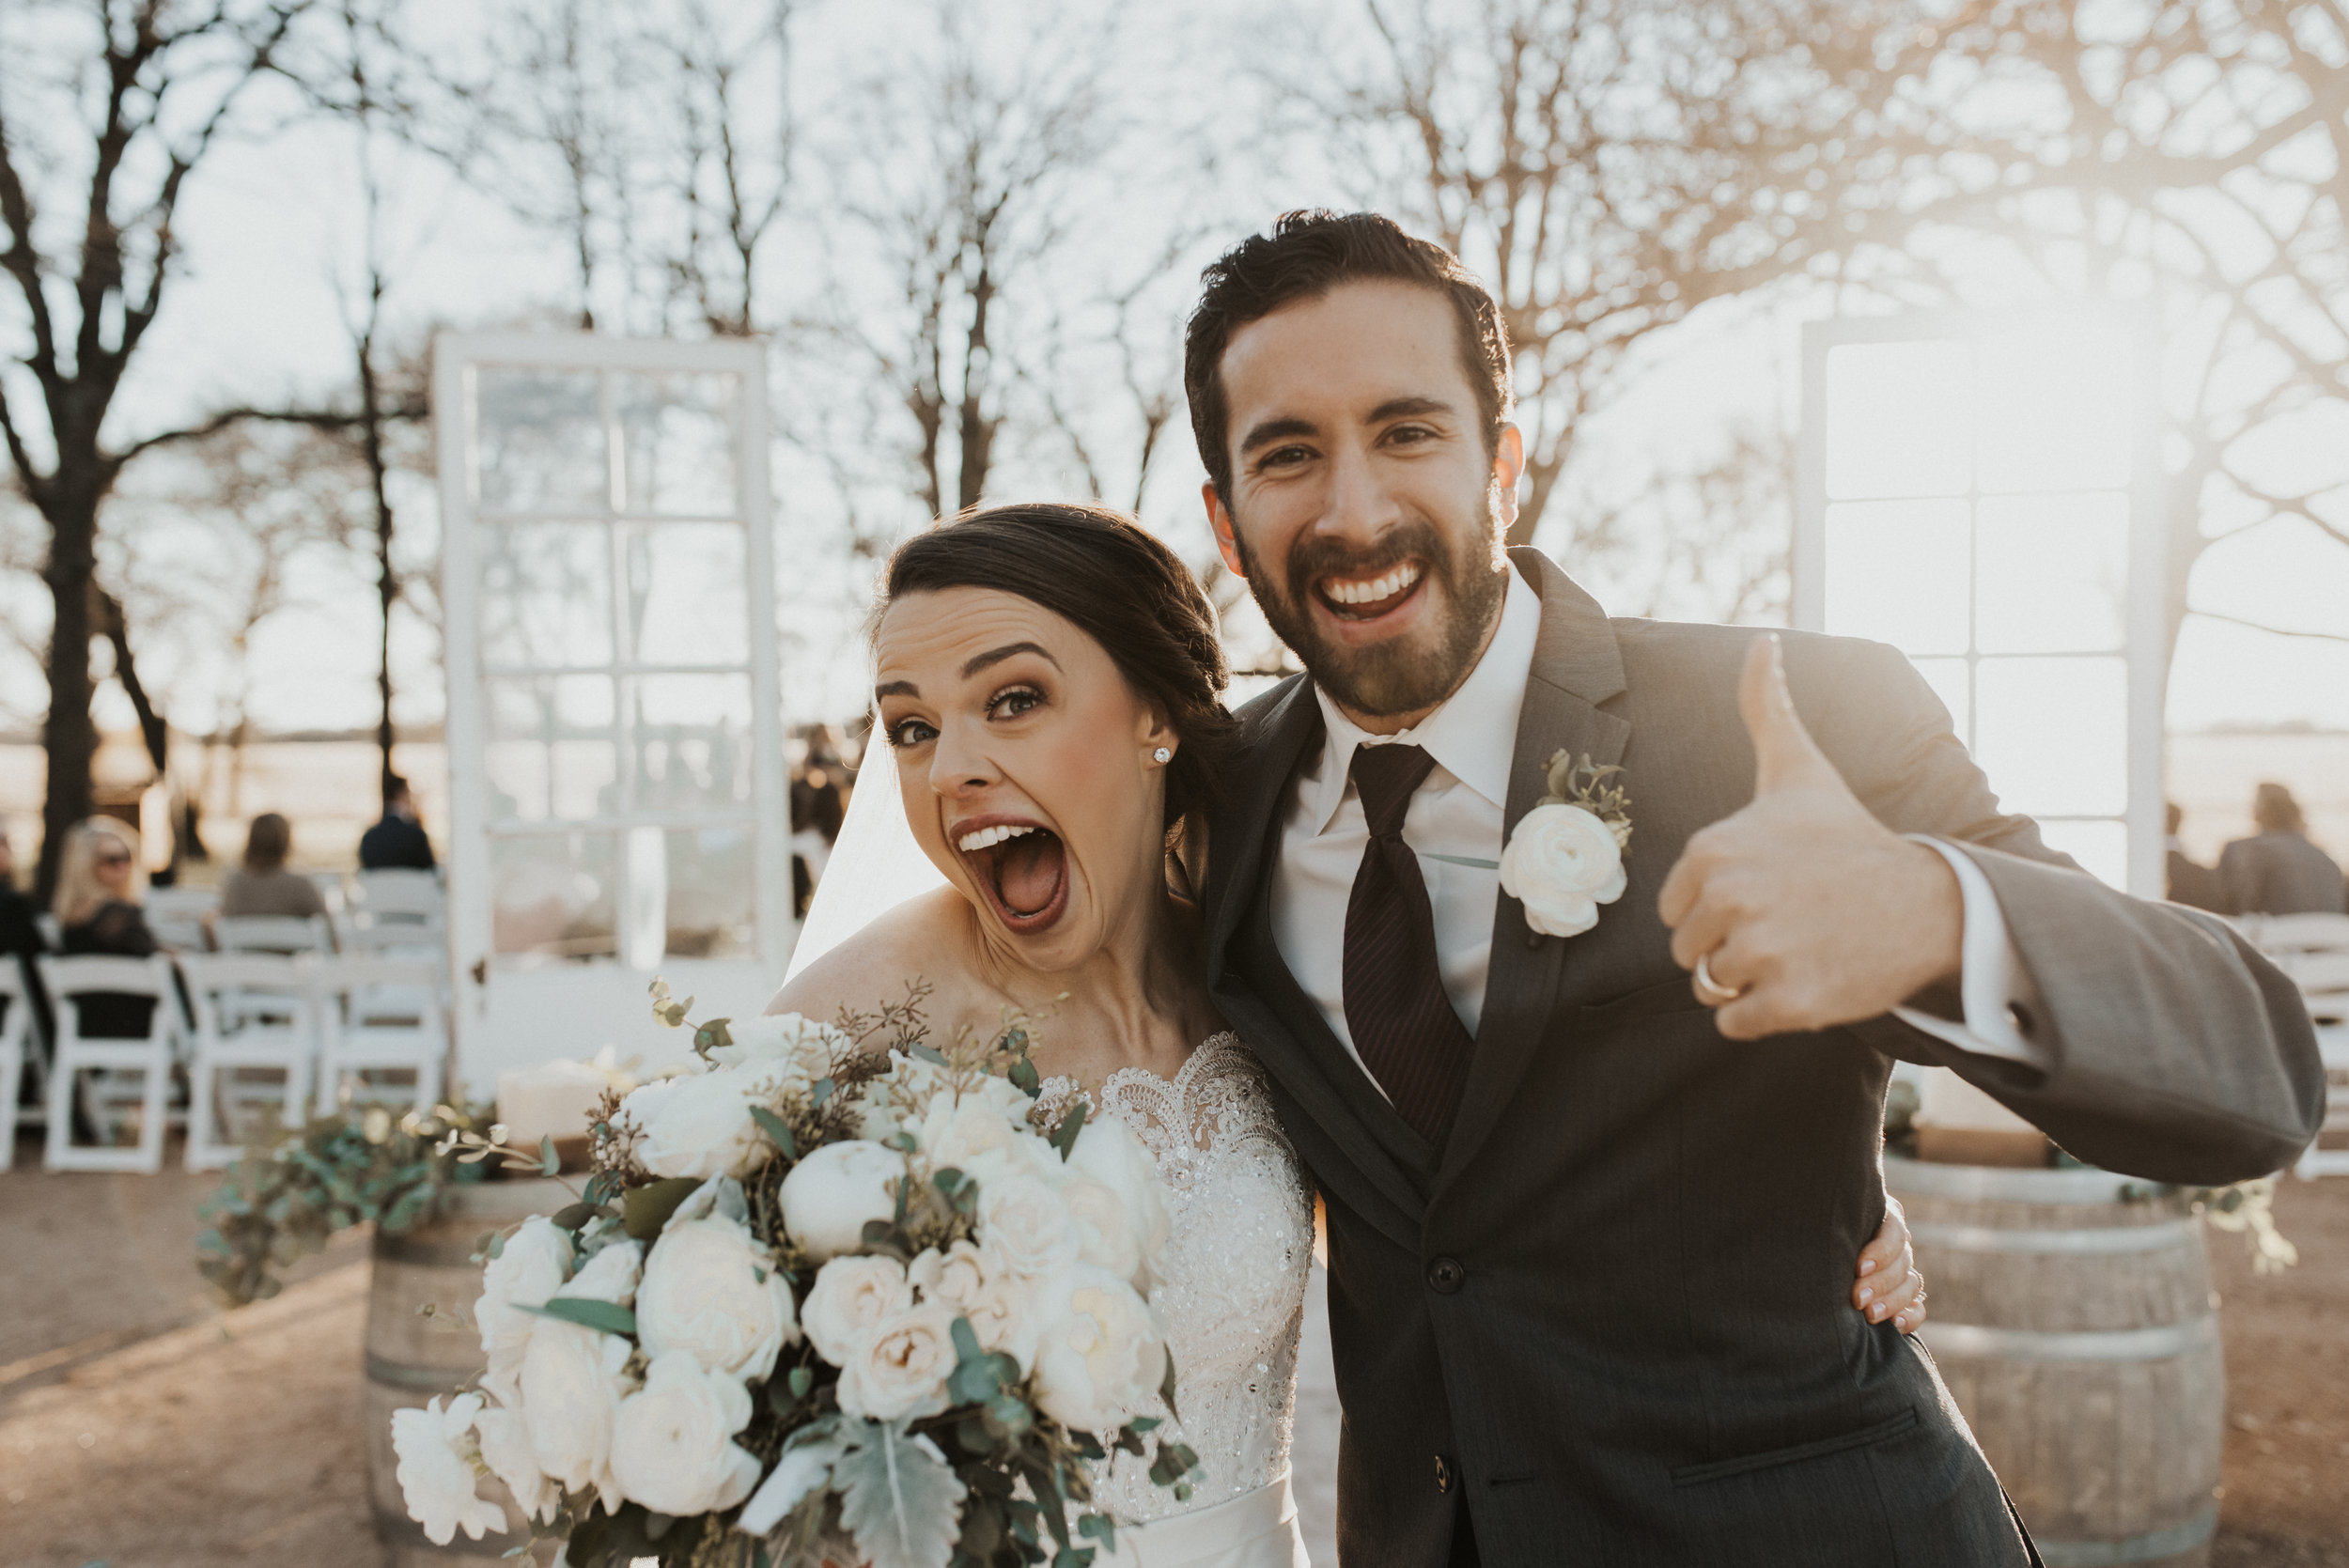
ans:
(1805, 911)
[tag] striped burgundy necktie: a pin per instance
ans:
(1402, 1021)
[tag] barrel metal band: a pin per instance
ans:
(2150, 1548)
(1973, 1342)
(1992, 1238)
(405, 1375)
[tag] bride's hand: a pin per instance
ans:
(1888, 1285)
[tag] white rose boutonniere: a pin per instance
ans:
(1565, 857)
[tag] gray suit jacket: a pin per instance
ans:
(2279, 874)
(1610, 1317)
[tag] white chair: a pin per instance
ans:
(114, 1064)
(16, 1033)
(257, 1016)
(280, 934)
(2332, 1041)
(399, 894)
(2279, 935)
(378, 1016)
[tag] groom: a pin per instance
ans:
(1531, 1145)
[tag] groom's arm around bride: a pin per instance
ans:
(1590, 1239)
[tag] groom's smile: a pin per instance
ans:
(1367, 501)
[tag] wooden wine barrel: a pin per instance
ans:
(411, 1355)
(2072, 1320)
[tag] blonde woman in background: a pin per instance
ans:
(99, 888)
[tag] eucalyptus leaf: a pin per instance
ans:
(609, 1318)
(1064, 1136)
(648, 1208)
(898, 1498)
(777, 1131)
(549, 1163)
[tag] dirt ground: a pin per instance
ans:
(140, 1428)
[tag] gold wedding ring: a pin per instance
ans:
(1709, 990)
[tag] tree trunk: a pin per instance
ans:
(386, 584)
(68, 735)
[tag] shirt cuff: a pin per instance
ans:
(1995, 985)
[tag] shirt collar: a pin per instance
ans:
(1472, 735)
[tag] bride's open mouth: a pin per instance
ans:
(1021, 867)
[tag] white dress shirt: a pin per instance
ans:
(1453, 825)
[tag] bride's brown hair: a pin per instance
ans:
(1102, 571)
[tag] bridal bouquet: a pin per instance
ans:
(819, 1301)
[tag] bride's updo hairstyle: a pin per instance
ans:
(1103, 572)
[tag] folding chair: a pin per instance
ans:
(2279, 935)
(396, 896)
(255, 1015)
(378, 1016)
(176, 915)
(113, 1062)
(274, 934)
(16, 1031)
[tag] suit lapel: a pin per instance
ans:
(1577, 667)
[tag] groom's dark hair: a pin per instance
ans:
(1307, 254)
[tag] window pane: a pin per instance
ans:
(2056, 404)
(551, 895)
(546, 595)
(676, 434)
(1898, 419)
(712, 908)
(2101, 848)
(1896, 571)
(1946, 676)
(548, 749)
(691, 742)
(2052, 733)
(688, 594)
(2054, 573)
(539, 444)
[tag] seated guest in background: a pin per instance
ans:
(100, 886)
(2280, 872)
(397, 842)
(19, 934)
(263, 886)
(2191, 881)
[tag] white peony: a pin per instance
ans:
(852, 1297)
(712, 1291)
(902, 1374)
(436, 1470)
(1025, 1223)
(1100, 1356)
(899, 1098)
(506, 1449)
(807, 1047)
(700, 1126)
(1107, 1152)
(671, 1447)
(976, 1284)
(530, 1268)
(1562, 863)
(573, 1377)
(829, 1196)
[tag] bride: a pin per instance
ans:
(1047, 682)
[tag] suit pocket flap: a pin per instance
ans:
(1718, 1469)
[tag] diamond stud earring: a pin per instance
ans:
(1162, 755)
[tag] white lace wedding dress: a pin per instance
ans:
(1233, 1302)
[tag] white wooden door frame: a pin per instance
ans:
(733, 982)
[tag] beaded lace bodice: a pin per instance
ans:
(1233, 1297)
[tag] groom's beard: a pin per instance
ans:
(1408, 673)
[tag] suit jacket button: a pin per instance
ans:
(1445, 1276)
(1443, 1474)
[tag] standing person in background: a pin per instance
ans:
(99, 889)
(397, 842)
(2280, 872)
(263, 886)
(2189, 881)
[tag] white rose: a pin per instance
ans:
(700, 1126)
(1025, 1223)
(573, 1377)
(436, 1470)
(1100, 1356)
(713, 1290)
(1562, 863)
(506, 1449)
(899, 1098)
(530, 1268)
(1107, 1152)
(806, 1047)
(973, 1283)
(829, 1196)
(852, 1298)
(902, 1374)
(670, 1448)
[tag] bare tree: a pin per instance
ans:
(91, 250)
